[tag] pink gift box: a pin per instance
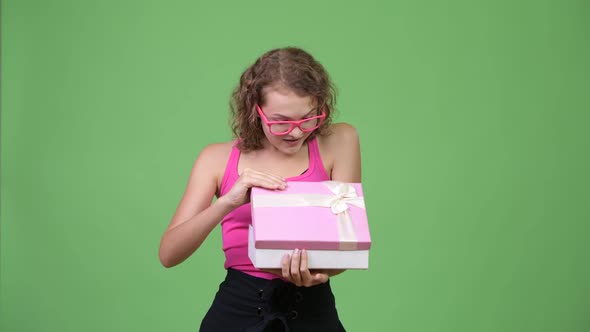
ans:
(291, 218)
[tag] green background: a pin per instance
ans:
(473, 120)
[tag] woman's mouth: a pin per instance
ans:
(291, 141)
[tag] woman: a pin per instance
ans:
(282, 110)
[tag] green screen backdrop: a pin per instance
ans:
(473, 118)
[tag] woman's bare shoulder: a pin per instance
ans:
(216, 155)
(217, 151)
(339, 136)
(342, 150)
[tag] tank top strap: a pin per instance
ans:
(314, 153)
(231, 169)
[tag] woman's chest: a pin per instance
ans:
(286, 168)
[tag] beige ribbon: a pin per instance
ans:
(344, 194)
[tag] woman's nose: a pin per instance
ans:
(296, 132)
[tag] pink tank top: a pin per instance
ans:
(234, 227)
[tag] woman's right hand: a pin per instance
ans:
(239, 194)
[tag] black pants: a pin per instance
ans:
(250, 304)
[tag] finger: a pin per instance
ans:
(285, 265)
(320, 278)
(306, 277)
(272, 176)
(295, 262)
(264, 181)
(249, 171)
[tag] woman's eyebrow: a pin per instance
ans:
(279, 115)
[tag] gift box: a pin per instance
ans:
(328, 219)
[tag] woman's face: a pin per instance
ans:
(282, 104)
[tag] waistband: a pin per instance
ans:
(277, 299)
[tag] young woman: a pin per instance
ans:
(282, 110)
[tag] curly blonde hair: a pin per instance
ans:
(289, 67)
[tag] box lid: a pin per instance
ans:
(325, 215)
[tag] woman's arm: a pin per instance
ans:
(344, 147)
(195, 216)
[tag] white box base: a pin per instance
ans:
(317, 259)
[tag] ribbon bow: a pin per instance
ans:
(345, 194)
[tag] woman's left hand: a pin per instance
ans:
(294, 268)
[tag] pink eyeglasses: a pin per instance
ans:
(280, 128)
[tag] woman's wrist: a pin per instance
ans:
(225, 205)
